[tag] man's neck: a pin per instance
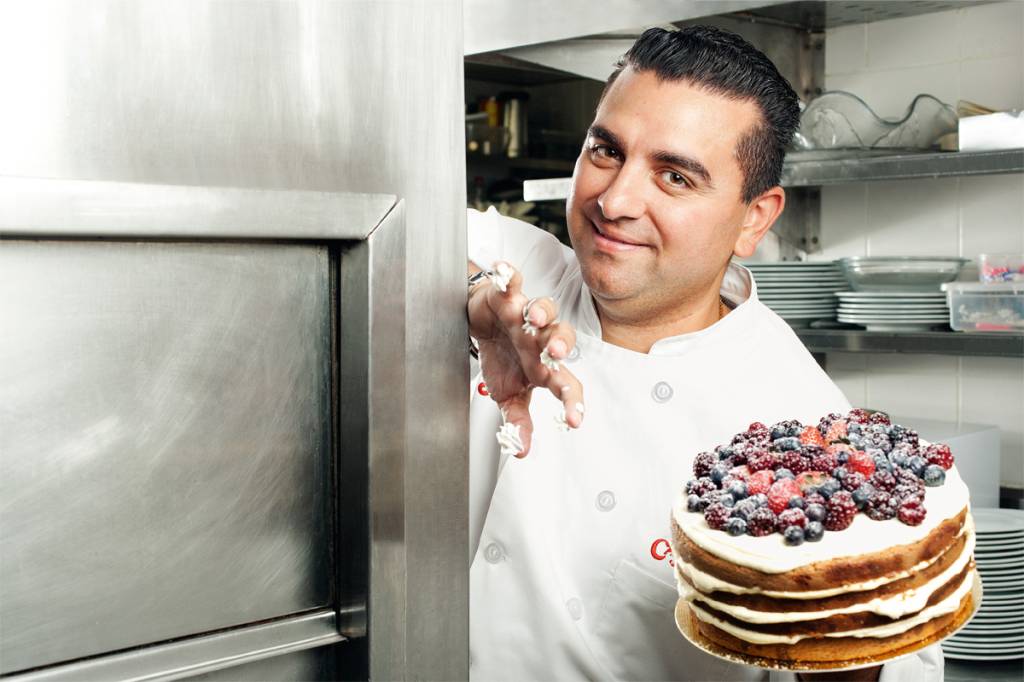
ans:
(622, 327)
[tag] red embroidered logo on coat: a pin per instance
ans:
(661, 550)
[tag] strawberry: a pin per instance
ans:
(862, 462)
(811, 436)
(781, 492)
(836, 431)
(760, 482)
(809, 480)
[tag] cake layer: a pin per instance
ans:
(893, 599)
(864, 536)
(843, 570)
(843, 647)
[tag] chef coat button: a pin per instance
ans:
(606, 500)
(575, 608)
(573, 355)
(493, 553)
(661, 392)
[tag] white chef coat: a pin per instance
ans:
(570, 575)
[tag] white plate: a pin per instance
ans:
(794, 265)
(879, 317)
(995, 628)
(908, 327)
(986, 562)
(806, 296)
(889, 295)
(894, 308)
(960, 656)
(796, 305)
(999, 521)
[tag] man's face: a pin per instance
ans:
(656, 206)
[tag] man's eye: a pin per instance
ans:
(674, 179)
(604, 151)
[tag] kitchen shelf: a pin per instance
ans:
(521, 162)
(907, 166)
(938, 343)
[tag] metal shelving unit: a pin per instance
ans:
(907, 166)
(941, 343)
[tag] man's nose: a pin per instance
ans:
(623, 199)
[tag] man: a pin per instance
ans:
(570, 576)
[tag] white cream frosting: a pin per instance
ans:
(768, 554)
(509, 440)
(948, 605)
(894, 606)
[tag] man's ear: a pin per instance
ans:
(759, 218)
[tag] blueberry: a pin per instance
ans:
(843, 456)
(718, 472)
(852, 428)
(839, 473)
(727, 500)
(735, 526)
(856, 440)
(743, 509)
(862, 494)
(779, 431)
(783, 473)
(738, 490)
(882, 463)
(797, 502)
(725, 452)
(760, 499)
(793, 535)
(901, 460)
(934, 475)
(917, 465)
(786, 444)
(693, 503)
(814, 531)
(828, 487)
(816, 512)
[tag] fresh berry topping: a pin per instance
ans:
(816, 512)
(796, 502)
(859, 461)
(724, 452)
(876, 439)
(743, 508)
(880, 418)
(881, 506)
(853, 480)
(738, 490)
(780, 492)
(793, 535)
(786, 443)
(739, 453)
(756, 428)
(784, 473)
(725, 499)
(862, 494)
(811, 436)
(814, 531)
(761, 522)
(824, 461)
(827, 421)
(933, 475)
(917, 465)
(815, 498)
(791, 517)
(700, 486)
(716, 515)
(707, 499)
(828, 488)
(719, 472)
(795, 461)
(702, 464)
(735, 526)
(760, 482)
(761, 460)
(785, 428)
(761, 499)
(741, 472)
(810, 480)
(841, 510)
(693, 503)
(940, 454)
(857, 415)
(883, 480)
(836, 431)
(911, 512)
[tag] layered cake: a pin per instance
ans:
(843, 542)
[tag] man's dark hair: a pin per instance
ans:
(726, 64)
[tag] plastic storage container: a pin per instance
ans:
(1001, 267)
(983, 307)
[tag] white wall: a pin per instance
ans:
(975, 54)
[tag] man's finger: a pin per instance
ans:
(559, 339)
(564, 385)
(538, 313)
(516, 410)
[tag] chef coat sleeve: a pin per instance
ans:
(927, 665)
(538, 255)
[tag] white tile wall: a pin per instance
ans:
(975, 53)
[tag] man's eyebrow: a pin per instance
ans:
(686, 163)
(606, 135)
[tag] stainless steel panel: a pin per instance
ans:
(295, 648)
(164, 441)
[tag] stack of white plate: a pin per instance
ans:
(996, 633)
(799, 292)
(887, 311)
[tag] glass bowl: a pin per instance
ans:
(900, 273)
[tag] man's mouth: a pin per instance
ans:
(612, 241)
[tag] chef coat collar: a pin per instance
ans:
(738, 291)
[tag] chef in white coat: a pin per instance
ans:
(607, 368)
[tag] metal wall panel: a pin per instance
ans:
(164, 441)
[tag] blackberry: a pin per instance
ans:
(701, 486)
(934, 475)
(814, 531)
(910, 437)
(755, 428)
(896, 432)
(939, 454)
(828, 488)
(739, 454)
(786, 443)
(823, 461)
(816, 512)
(761, 522)
(784, 473)
(853, 480)
(738, 490)
(794, 461)
(881, 506)
(862, 494)
(841, 510)
(825, 422)
(906, 492)
(854, 428)
(883, 480)
(911, 512)
(858, 416)
(761, 460)
(815, 498)
(880, 418)
(716, 515)
(710, 498)
(917, 465)
(791, 517)
(878, 440)
(702, 464)
(793, 535)
(735, 526)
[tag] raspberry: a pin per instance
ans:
(940, 454)
(761, 460)
(883, 480)
(881, 506)
(703, 462)
(811, 436)
(761, 522)
(841, 510)
(880, 418)
(795, 461)
(854, 480)
(780, 492)
(861, 462)
(717, 515)
(911, 512)
(858, 416)
(824, 461)
(836, 431)
(791, 517)
(761, 481)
